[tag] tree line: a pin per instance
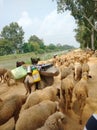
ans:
(85, 15)
(12, 41)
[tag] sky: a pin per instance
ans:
(40, 18)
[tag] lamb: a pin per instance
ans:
(35, 116)
(67, 85)
(48, 93)
(80, 93)
(54, 122)
(11, 107)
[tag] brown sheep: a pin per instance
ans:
(11, 107)
(85, 68)
(19, 63)
(78, 71)
(9, 125)
(48, 93)
(80, 93)
(2, 73)
(55, 121)
(65, 71)
(8, 76)
(67, 85)
(35, 116)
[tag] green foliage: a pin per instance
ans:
(82, 36)
(85, 15)
(41, 51)
(35, 39)
(14, 35)
(5, 47)
(51, 46)
(25, 48)
(11, 42)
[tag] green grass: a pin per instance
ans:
(9, 61)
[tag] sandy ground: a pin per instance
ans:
(72, 124)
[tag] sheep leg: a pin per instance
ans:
(63, 99)
(27, 87)
(81, 111)
(66, 107)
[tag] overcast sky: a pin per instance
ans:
(40, 18)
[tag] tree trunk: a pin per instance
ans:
(92, 38)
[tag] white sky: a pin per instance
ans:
(40, 18)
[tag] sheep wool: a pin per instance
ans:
(92, 122)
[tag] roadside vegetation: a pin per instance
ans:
(13, 47)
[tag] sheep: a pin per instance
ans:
(2, 73)
(11, 107)
(80, 93)
(34, 61)
(67, 85)
(19, 63)
(48, 93)
(85, 68)
(78, 71)
(9, 76)
(9, 125)
(65, 71)
(54, 122)
(35, 116)
(29, 83)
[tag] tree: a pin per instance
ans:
(82, 36)
(83, 11)
(5, 47)
(25, 48)
(51, 46)
(14, 34)
(33, 46)
(34, 38)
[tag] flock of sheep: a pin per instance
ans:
(47, 109)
